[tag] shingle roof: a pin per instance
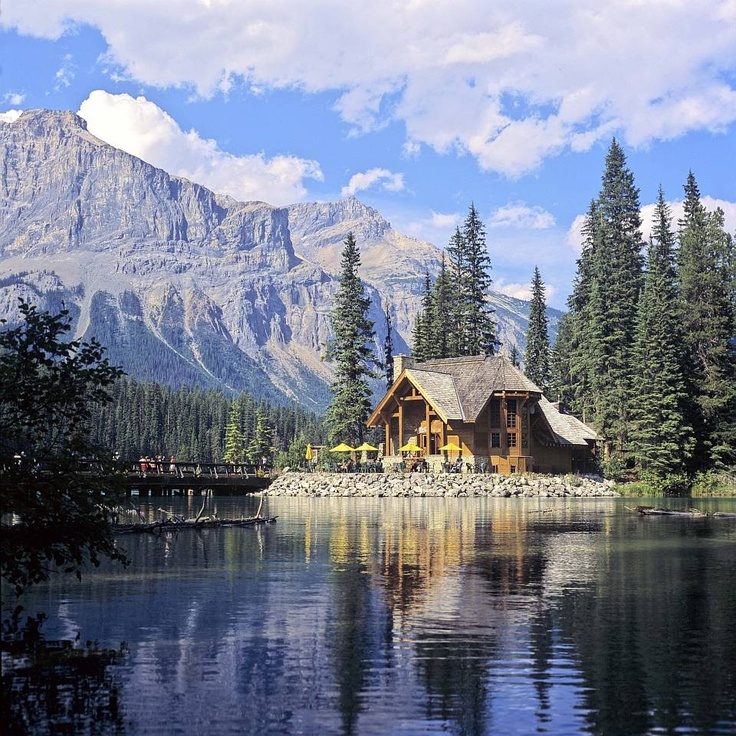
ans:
(566, 429)
(459, 388)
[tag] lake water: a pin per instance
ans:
(416, 616)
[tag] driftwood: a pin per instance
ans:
(207, 522)
(175, 522)
(661, 511)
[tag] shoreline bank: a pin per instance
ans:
(398, 485)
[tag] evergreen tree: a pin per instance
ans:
(421, 333)
(593, 353)
(388, 349)
(706, 279)
(352, 352)
(457, 307)
(661, 439)
(234, 440)
(442, 327)
(480, 328)
(561, 386)
(537, 358)
(605, 343)
(514, 356)
(260, 450)
(573, 353)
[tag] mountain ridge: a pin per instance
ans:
(187, 286)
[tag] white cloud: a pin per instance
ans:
(143, 129)
(13, 98)
(449, 220)
(65, 74)
(365, 180)
(518, 291)
(509, 84)
(520, 215)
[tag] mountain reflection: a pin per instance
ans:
(466, 616)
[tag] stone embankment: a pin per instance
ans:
(400, 485)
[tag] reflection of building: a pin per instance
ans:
(486, 407)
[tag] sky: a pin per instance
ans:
(416, 107)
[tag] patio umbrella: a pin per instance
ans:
(451, 446)
(342, 447)
(365, 447)
(308, 453)
(410, 447)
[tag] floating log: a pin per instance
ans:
(662, 511)
(174, 523)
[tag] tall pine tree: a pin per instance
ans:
(661, 439)
(351, 349)
(706, 276)
(537, 358)
(388, 349)
(480, 327)
(456, 317)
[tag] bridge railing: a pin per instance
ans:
(145, 468)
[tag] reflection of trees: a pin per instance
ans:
(542, 653)
(350, 641)
(56, 688)
(454, 670)
(655, 641)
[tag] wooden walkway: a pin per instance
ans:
(195, 479)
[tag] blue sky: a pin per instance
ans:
(417, 107)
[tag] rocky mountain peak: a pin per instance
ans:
(184, 285)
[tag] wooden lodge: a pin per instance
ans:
(489, 409)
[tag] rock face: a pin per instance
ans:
(186, 286)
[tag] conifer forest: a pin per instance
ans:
(645, 354)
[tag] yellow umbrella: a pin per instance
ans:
(365, 447)
(308, 453)
(342, 447)
(451, 446)
(410, 447)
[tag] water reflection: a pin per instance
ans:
(417, 616)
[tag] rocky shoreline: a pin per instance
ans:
(400, 485)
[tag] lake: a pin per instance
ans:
(413, 616)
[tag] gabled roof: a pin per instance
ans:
(566, 429)
(459, 388)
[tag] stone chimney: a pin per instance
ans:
(402, 362)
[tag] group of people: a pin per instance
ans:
(353, 466)
(157, 464)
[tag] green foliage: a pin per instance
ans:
(456, 318)
(603, 307)
(388, 349)
(714, 483)
(57, 483)
(661, 439)
(537, 358)
(351, 349)
(260, 448)
(194, 422)
(707, 275)
(234, 439)
(649, 356)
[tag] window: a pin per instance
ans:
(511, 436)
(495, 412)
(510, 412)
(495, 439)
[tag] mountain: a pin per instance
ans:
(186, 286)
